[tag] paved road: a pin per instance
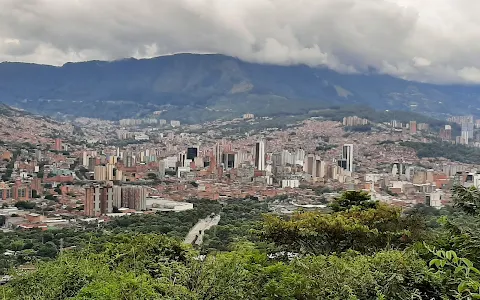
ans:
(199, 229)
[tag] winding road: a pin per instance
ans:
(196, 233)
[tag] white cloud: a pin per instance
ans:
(425, 40)
(421, 62)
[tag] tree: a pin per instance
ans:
(170, 172)
(360, 230)
(152, 176)
(35, 194)
(25, 205)
(467, 199)
(353, 199)
(462, 278)
(50, 197)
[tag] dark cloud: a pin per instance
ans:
(427, 40)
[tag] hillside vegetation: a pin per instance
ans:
(194, 87)
(362, 249)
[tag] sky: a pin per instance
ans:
(434, 41)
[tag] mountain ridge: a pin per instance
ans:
(196, 87)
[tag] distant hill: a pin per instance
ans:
(193, 87)
(18, 126)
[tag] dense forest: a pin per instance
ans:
(358, 249)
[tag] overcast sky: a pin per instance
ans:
(426, 40)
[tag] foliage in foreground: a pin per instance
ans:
(362, 250)
(157, 267)
(357, 224)
(32, 246)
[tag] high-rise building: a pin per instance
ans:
(88, 205)
(85, 159)
(130, 162)
(106, 203)
(58, 144)
(347, 155)
(134, 197)
(92, 162)
(396, 124)
(310, 165)
(464, 138)
(110, 172)
(446, 133)
(182, 159)
(320, 168)
(161, 168)
(354, 121)
(38, 155)
(423, 127)
(117, 196)
(192, 152)
(99, 200)
(342, 163)
(260, 155)
(468, 129)
(118, 175)
(229, 160)
(299, 156)
(461, 119)
(102, 200)
(218, 154)
(100, 173)
(413, 126)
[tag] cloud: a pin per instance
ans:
(426, 40)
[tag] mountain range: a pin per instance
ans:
(198, 87)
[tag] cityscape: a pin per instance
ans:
(90, 176)
(239, 150)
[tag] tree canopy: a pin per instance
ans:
(360, 250)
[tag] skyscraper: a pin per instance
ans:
(110, 172)
(320, 168)
(134, 197)
(161, 168)
(85, 159)
(38, 155)
(413, 126)
(347, 155)
(218, 154)
(88, 205)
(58, 144)
(310, 165)
(192, 152)
(229, 160)
(101, 200)
(182, 159)
(260, 155)
(446, 134)
(100, 173)
(467, 131)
